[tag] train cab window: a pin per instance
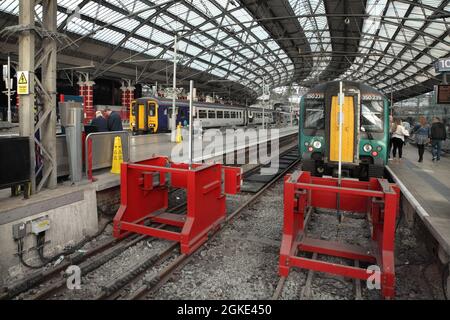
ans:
(183, 113)
(202, 114)
(372, 115)
(151, 110)
(226, 114)
(233, 115)
(219, 114)
(314, 114)
(211, 114)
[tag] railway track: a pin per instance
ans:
(54, 280)
(305, 291)
(151, 281)
(151, 284)
(88, 262)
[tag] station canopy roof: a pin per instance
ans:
(389, 44)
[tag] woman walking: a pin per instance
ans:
(398, 138)
(422, 134)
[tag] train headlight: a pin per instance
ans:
(379, 148)
(367, 148)
(306, 144)
(375, 154)
(317, 144)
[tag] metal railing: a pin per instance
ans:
(99, 149)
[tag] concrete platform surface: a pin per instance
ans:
(147, 146)
(426, 185)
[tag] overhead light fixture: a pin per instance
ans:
(347, 21)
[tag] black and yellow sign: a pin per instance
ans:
(23, 82)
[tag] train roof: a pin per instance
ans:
(185, 103)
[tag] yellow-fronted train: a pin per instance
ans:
(365, 130)
(150, 115)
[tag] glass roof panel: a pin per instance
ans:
(399, 40)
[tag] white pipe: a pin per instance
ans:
(174, 120)
(191, 126)
(9, 88)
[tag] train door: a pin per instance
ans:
(141, 117)
(152, 113)
(348, 130)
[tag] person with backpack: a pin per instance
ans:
(437, 135)
(422, 136)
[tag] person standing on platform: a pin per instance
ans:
(398, 138)
(114, 121)
(437, 135)
(100, 122)
(422, 134)
(391, 128)
(408, 128)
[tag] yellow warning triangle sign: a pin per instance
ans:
(23, 79)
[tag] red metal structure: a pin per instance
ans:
(377, 198)
(145, 192)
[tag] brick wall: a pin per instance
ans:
(108, 201)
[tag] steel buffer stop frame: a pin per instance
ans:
(377, 198)
(145, 194)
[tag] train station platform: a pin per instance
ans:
(147, 146)
(426, 188)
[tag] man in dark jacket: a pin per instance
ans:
(114, 121)
(437, 135)
(100, 122)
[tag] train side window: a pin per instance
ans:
(133, 108)
(219, 114)
(202, 114)
(314, 114)
(226, 114)
(211, 114)
(233, 114)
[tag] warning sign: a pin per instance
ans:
(23, 82)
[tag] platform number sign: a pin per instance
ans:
(23, 82)
(442, 65)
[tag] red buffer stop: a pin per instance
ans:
(145, 195)
(377, 198)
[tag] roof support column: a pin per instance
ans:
(48, 128)
(26, 63)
